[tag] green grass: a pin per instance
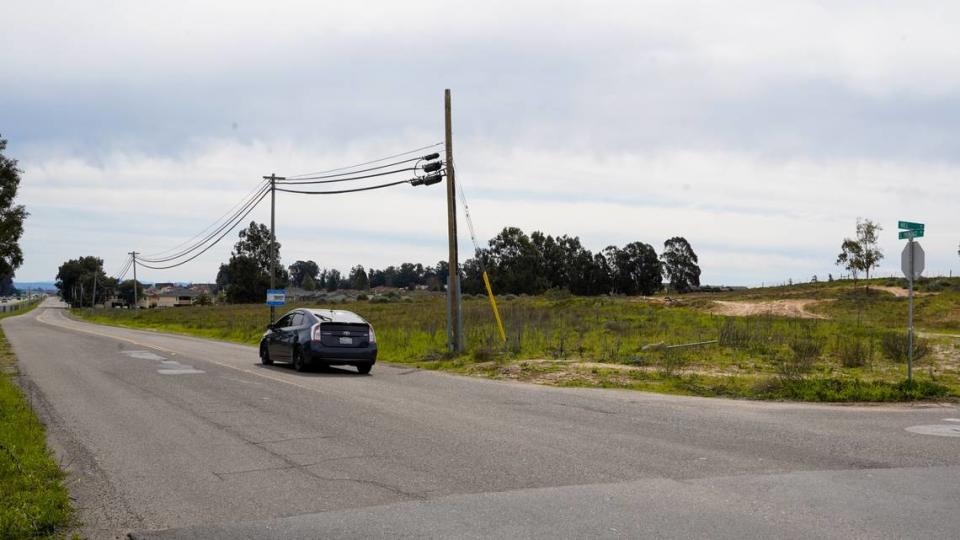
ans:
(938, 312)
(554, 340)
(33, 500)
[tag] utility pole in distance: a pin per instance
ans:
(136, 295)
(455, 323)
(273, 236)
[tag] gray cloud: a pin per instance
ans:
(736, 109)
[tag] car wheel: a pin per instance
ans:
(298, 363)
(265, 356)
(363, 369)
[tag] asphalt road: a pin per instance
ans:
(177, 437)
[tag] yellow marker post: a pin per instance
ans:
(493, 304)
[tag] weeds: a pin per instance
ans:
(33, 500)
(603, 329)
(853, 352)
(896, 346)
(799, 358)
(672, 361)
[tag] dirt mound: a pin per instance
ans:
(779, 308)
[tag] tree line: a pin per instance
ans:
(515, 262)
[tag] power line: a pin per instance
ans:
(249, 205)
(240, 203)
(250, 202)
(215, 242)
(368, 162)
(401, 162)
(124, 268)
(123, 271)
(350, 179)
(369, 188)
(245, 203)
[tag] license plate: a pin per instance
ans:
(346, 341)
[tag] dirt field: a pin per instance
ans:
(781, 308)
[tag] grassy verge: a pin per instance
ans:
(33, 500)
(623, 343)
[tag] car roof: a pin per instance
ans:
(336, 315)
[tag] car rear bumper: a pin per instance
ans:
(318, 354)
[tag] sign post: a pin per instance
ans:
(912, 262)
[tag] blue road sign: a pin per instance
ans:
(276, 297)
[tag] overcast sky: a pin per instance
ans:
(758, 130)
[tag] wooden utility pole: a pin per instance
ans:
(136, 295)
(455, 323)
(273, 237)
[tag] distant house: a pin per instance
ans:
(169, 296)
(209, 288)
(177, 297)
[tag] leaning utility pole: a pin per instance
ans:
(455, 322)
(136, 296)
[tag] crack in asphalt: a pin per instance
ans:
(418, 495)
(295, 439)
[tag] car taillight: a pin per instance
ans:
(315, 332)
(373, 336)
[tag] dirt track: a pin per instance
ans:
(896, 291)
(780, 308)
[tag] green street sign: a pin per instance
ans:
(915, 233)
(910, 226)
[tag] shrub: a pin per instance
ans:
(853, 351)
(557, 293)
(896, 346)
(934, 286)
(798, 361)
(756, 335)
(362, 296)
(733, 334)
(672, 361)
(483, 353)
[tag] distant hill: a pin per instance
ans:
(44, 285)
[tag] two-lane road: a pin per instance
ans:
(195, 436)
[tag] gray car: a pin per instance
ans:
(325, 337)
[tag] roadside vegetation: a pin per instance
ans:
(854, 351)
(33, 500)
